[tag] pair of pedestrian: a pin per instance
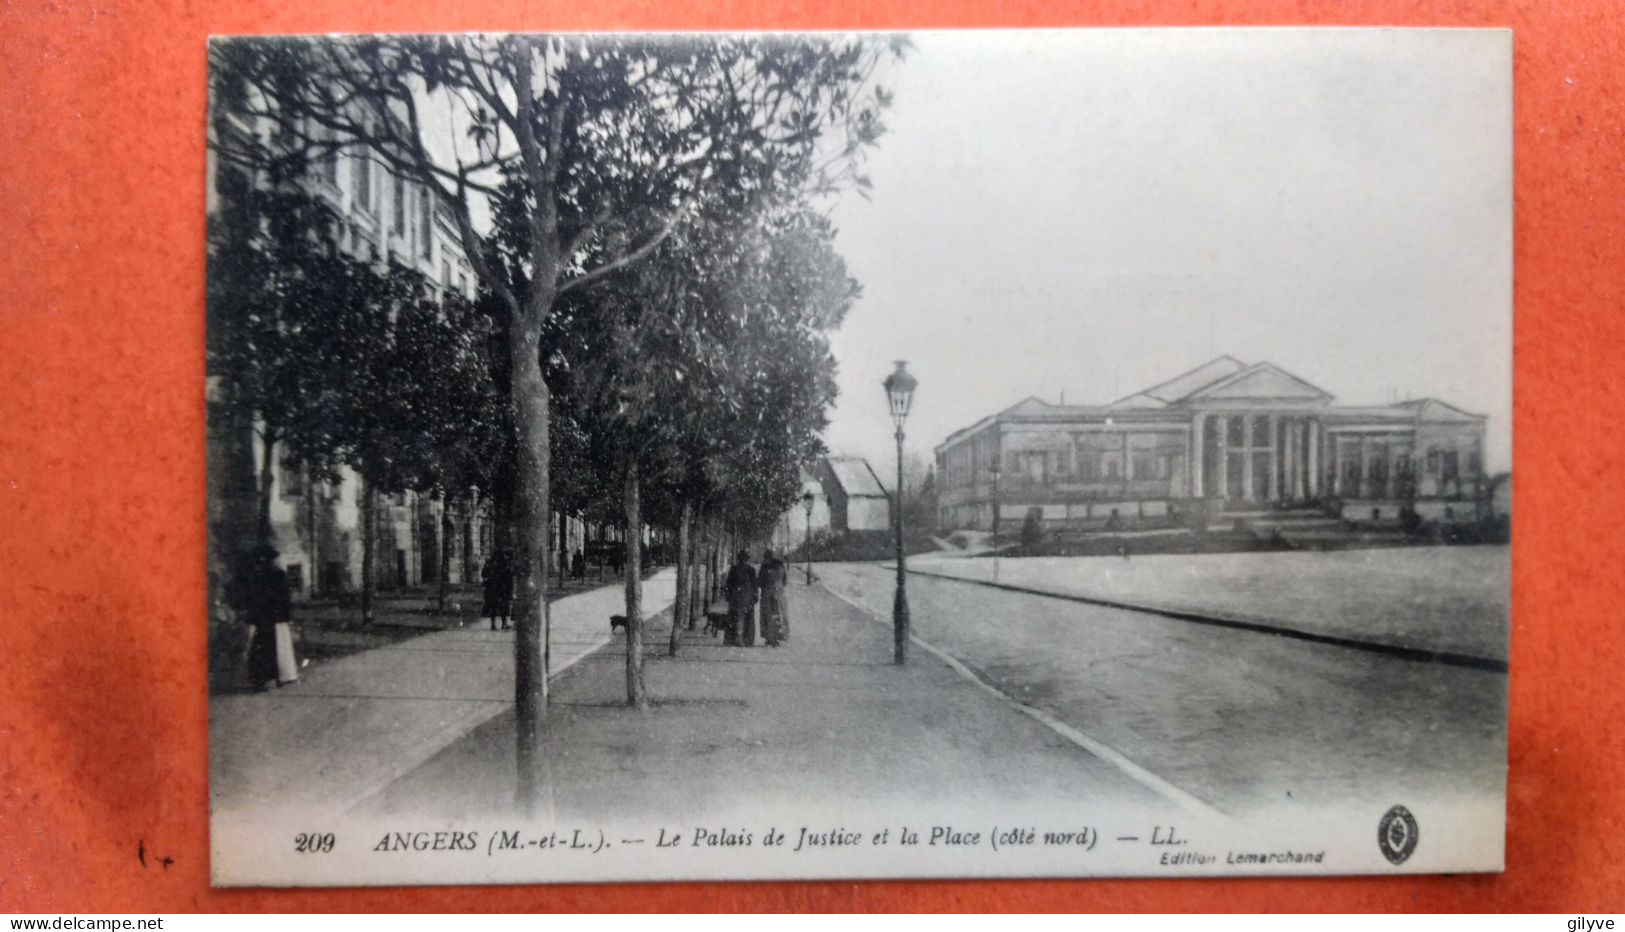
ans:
(746, 588)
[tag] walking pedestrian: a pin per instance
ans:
(497, 580)
(578, 566)
(775, 618)
(740, 590)
(262, 600)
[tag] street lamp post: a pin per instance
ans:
(806, 542)
(900, 394)
(993, 470)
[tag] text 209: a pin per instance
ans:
(313, 843)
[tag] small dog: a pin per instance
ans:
(616, 621)
(715, 623)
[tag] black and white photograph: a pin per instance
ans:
(745, 456)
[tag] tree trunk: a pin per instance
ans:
(263, 511)
(696, 546)
(564, 545)
(680, 617)
(315, 540)
(632, 543)
(369, 530)
(530, 519)
(446, 527)
(711, 565)
(472, 502)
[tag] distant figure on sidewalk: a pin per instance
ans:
(497, 580)
(261, 599)
(578, 566)
(775, 615)
(740, 590)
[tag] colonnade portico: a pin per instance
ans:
(1283, 444)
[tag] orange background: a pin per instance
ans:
(103, 722)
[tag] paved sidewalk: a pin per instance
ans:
(351, 727)
(825, 725)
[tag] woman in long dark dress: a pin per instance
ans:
(497, 581)
(262, 600)
(770, 579)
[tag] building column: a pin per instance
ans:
(1294, 491)
(1312, 451)
(1248, 441)
(1275, 458)
(1197, 439)
(1365, 468)
(1222, 435)
(1334, 455)
(1300, 456)
(1393, 470)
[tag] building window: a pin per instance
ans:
(1142, 466)
(327, 162)
(363, 180)
(1111, 468)
(1261, 430)
(1474, 466)
(398, 209)
(291, 480)
(426, 224)
(1447, 466)
(1235, 431)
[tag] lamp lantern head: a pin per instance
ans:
(900, 387)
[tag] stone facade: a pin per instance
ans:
(1224, 436)
(316, 525)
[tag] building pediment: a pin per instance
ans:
(1140, 402)
(1264, 382)
(1432, 409)
(1183, 385)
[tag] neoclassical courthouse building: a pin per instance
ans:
(1235, 437)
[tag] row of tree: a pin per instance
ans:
(657, 282)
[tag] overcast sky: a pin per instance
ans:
(1092, 212)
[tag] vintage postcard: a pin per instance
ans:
(949, 454)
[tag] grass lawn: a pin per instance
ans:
(1434, 598)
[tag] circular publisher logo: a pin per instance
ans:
(1397, 834)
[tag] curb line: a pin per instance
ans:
(1449, 658)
